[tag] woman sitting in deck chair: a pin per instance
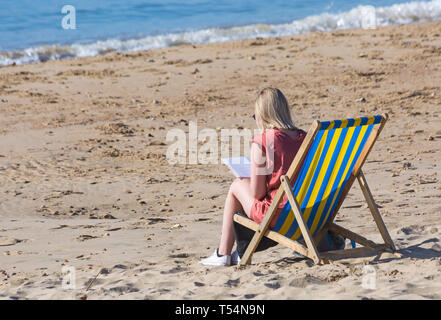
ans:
(271, 156)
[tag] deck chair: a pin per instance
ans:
(328, 161)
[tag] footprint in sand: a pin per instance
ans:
(124, 289)
(272, 285)
(85, 237)
(7, 241)
(174, 270)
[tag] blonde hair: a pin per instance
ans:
(272, 109)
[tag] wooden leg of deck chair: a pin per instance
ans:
(254, 243)
(353, 236)
(312, 249)
(260, 232)
(294, 245)
(374, 210)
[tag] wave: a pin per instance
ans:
(359, 17)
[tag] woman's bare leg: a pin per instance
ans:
(239, 198)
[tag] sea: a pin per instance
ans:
(40, 30)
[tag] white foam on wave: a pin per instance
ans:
(396, 14)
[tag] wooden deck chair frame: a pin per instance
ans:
(310, 250)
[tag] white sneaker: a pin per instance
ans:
(235, 259)
(215, 260)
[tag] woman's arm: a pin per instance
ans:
(258, 181)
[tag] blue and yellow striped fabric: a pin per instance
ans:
(325, 171)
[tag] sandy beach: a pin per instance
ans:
(85, 183)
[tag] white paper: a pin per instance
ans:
(240, 166)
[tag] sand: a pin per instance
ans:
(85, 183)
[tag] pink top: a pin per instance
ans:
(285, 149)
